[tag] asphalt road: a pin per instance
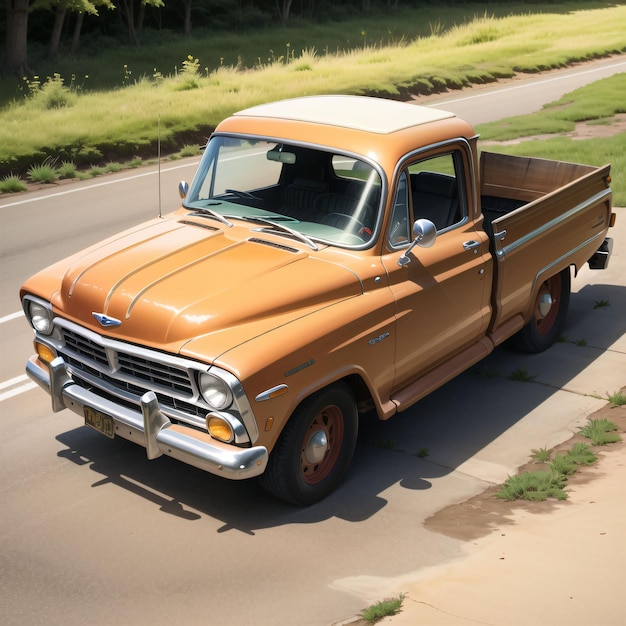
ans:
(93, 533)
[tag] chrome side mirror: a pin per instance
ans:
(425, 233)
(183, 188)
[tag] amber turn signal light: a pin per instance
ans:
(44, 353)
(219, 428)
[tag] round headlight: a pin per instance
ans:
(40, 318)
(215, 391)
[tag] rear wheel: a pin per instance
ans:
(315, 448)
(549, 317)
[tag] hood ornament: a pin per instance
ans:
(106, 320)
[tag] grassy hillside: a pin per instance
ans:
(65, 118)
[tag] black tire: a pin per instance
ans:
(315, 448)
(544, 328)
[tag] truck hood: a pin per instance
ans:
(175, 280)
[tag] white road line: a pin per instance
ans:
(17, 391)
(101, 184)
(526, 85)
(20, 384)
(11, 316)
(13, 381)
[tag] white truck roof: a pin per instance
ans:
(357, 112)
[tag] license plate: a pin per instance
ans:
(102, 422)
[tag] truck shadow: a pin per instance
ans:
(427, 442)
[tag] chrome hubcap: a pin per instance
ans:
(316, 447)
(545, 304)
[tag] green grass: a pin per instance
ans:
(541, 455)
(617, 399)
(382, 609)
(45, 172)
(567, 464)
(534, 486)
(521, 375)
(599, 101)
(547, 483)
(67, 169)
(113, 114)
(11, 183)
(601, 432)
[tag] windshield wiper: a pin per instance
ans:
(206, 212)
(277, 227)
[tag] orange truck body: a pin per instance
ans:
(201, 334)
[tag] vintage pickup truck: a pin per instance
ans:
(333, 255)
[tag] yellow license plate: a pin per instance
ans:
(102, 422)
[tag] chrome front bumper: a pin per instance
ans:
(149, 427)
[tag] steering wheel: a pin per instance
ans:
(246, 195)
(353, 225)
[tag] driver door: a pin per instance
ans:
(442, 294)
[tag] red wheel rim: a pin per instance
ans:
(552, 287)
(328, 421)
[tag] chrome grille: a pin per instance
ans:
(84, 347)
(154, 373)
(124, 370)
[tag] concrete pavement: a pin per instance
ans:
(558, 567)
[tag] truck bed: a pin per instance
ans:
(541, 216)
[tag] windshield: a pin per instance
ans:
(328, 197)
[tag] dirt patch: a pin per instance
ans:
(584, 130)
(485, 513)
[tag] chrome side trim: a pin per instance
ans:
(267, 394)
(150, 427)
(595, 199)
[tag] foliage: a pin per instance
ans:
(189, 75)
(566, 464)
(521, 374)
(67, 169)
(189, 151)
(617, 399)
(581, 454)
(11, 183)
(382, 609)
(542, 455)
(44, 173)
(399, 58)
(600, 431)
(536, 486)
(51, 94)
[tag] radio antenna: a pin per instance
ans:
(159, 159)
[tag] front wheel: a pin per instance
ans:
(315, 448)
(549, 317)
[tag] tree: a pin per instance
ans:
(16, 45)
(61, 9)
(133, 18)
(283, 7)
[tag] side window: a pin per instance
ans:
(436, 190)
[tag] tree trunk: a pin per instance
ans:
(16, 45)
(57, 29)
(140, 17)
(127, 9)
(76, 36)
(283, 7)
(187, 28)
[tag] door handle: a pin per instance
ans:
(471, 245)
